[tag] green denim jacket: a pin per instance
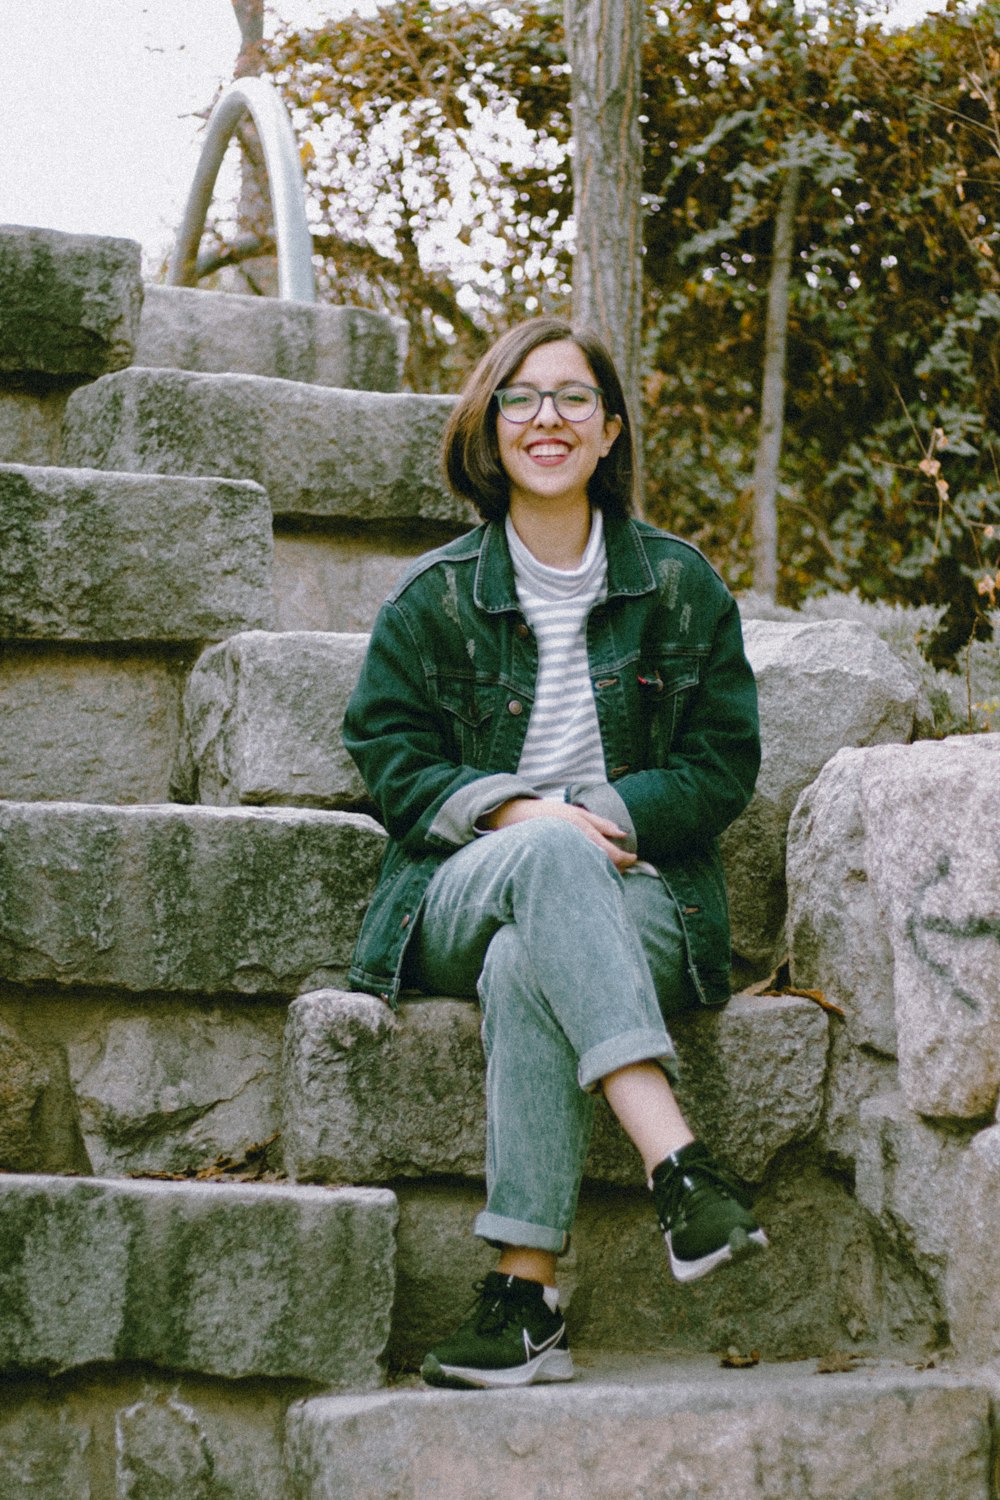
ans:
(441, 708)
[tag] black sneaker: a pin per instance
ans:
(703, 1221)
(511, 1337)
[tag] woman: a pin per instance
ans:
(556, 718)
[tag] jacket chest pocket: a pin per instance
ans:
(665, 688)
(467, 712)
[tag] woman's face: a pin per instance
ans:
(550, 460)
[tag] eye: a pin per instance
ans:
(518, 398)
(576, 396)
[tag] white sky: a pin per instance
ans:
(97, 133)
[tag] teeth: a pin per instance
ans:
(548, 450)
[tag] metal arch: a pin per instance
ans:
(259, 97)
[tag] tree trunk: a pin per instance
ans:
(772, 401)
(604, 48)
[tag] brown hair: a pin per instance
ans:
(471, 452)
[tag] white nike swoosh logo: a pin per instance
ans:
(532, 1349)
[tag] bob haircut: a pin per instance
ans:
(471, 453)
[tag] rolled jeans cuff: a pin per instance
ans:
(500, 1231)
(618, 1051)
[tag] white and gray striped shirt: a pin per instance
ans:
(563, 742)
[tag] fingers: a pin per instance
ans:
(604, 826)
(620, 858)
(600, 831)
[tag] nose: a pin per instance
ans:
(546, 415)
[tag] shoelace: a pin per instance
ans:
(496, 1308)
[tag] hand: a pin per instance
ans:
(600, 831)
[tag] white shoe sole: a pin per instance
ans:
(552, 1364)
(739, 1247)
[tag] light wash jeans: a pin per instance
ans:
(575, 967)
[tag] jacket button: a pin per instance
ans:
(406, 921)
(513, 707)
(522, 631)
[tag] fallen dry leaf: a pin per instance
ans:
(250, 1167)
(779, 983)
(733, 1359)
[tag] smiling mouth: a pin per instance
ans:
(546, 451)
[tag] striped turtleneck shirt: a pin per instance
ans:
(563, 742)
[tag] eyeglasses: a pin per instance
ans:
(522, 403)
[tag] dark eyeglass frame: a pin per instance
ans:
(571, 385)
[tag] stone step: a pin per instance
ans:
(353, 347)
(669, 1430)
(109, 585)
(371, 1095)
(237, 1280)
(828, 1281)
(398, 1099)
(362, 458)
(191, 900)
(93, 556)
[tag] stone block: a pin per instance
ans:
(853, 1074)
(920, 890)
(687, 1433)
(907, 1174)
(69, 303)
(362, 457)
(337, 581)
(232, 1280)
(23, 1079)
(88, 556)
(370, 1095)
(972, 1287)
(822, 684)
(44, 1455)
(89, 724)
(107, 1434)
(752, 1077)
(172, 1089)
(193, 900)
(31, 426)
(837, 936)
(351, 347)
(262, 722)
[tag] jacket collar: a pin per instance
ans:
(629, 572)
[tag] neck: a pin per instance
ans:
(557, 539)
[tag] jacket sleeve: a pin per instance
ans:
(428, 801)
(713, 762)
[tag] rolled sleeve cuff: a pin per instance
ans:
(601, 798)
(456, 818)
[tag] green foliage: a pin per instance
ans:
(437, 158)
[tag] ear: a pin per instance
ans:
(612, 427)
